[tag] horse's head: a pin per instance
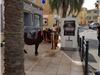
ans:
(29, 38)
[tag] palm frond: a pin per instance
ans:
(70, 6)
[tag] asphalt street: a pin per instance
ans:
(91, 36)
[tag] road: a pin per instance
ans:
(91, 36)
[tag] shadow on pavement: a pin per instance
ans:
(91, 58)
(71, 53)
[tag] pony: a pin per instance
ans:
(34, 38)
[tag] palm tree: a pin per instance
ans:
(14, 44)
(68, 6)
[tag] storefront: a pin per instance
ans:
(33, 16)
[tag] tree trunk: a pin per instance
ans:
(64, 14)
(64, 10)
(14, 44)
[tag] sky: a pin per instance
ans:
(89, 4)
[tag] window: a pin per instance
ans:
(94, 17)
(89, 17)
(37, 21)
(27, 19)
(88, 11)
(95, 11)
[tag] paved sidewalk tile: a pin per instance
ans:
(51, 62)
(95, 65)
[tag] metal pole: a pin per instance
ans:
(82, 48)
(86, 58)
(80, 44)
(99, 12)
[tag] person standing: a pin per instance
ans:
(54, 36)
(98, 36)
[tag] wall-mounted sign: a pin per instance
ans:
(69, 28)
(43, 1)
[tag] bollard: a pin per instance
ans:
(80, 44)
(86, 58)
(97, 73)
(80, 47)
(82, 52)
(78, 40)
(99, 49)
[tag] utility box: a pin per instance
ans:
(68, 35)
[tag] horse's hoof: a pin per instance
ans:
(25, 51)
(36, 54)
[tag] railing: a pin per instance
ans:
(83, 49)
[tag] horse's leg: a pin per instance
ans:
(36, 49)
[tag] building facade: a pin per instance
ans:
(33, 17)
(49, 18)
(92, 15)
(33, 14)
(87, 16)
(82, 16)
(47, 15)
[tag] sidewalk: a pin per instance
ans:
(52, 62)
(96, 64)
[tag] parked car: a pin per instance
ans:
(93, 26)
